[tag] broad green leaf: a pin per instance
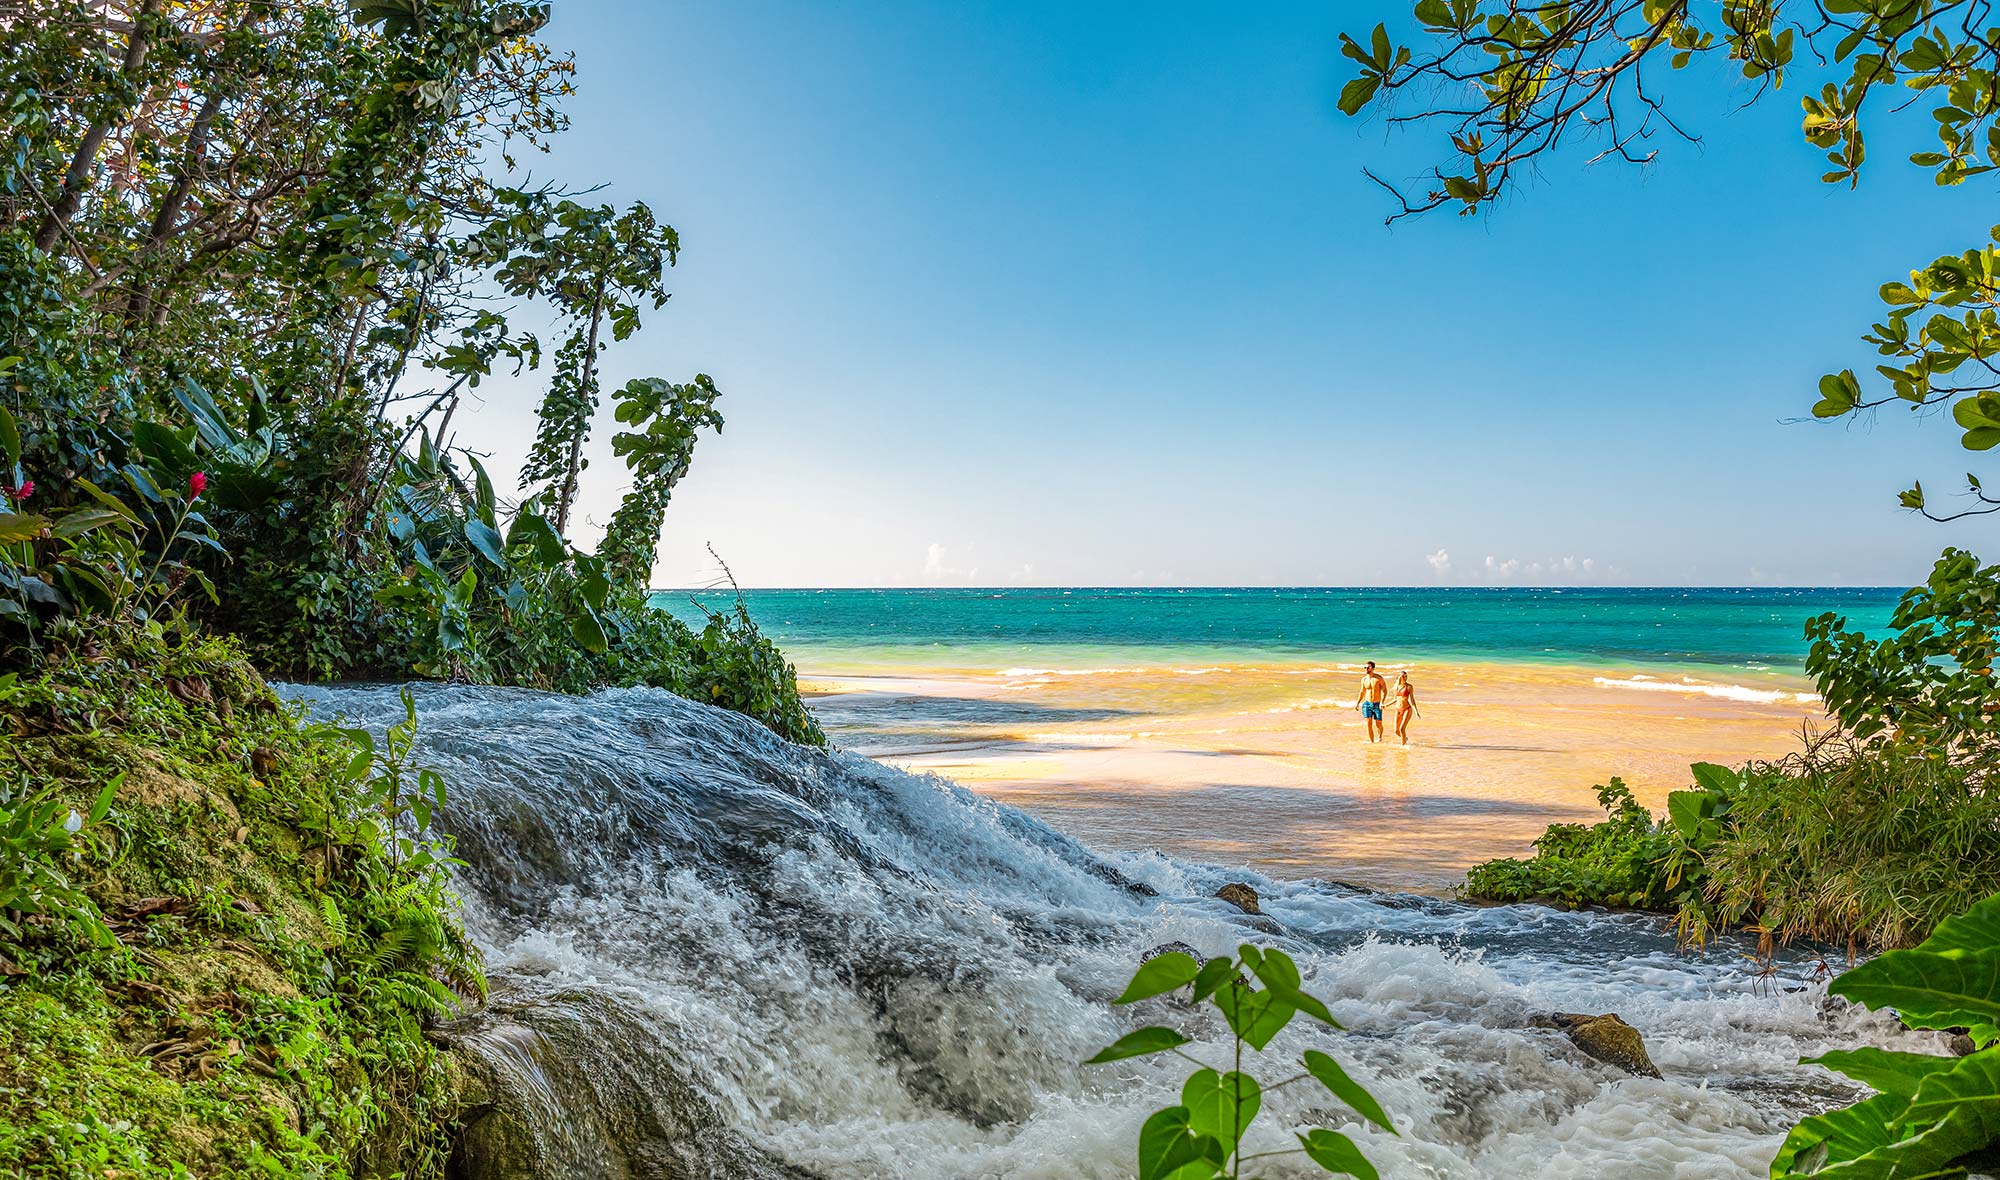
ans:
(1686, 810)
(1928, 990)
(1280, 976)
(1168, 1143)
(1337, 1154)
(1719, 779)
(530, 527)
(1334, 1078)
(10, 438)
(1976, 931)
(1221, 1105)
(79, 521)
(1256, 1016)
(483, 538)
(588, 631)
(20, 526)
(1884, 1070)
(1139, 1043)
(1839, 1135)
(107, 499)
(1356, 93)
(1970, 1081)
(1214, 974)
(1163, 973)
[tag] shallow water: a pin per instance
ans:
(869, 973)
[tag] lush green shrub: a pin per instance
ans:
(270, 956)
(1621, 861)
(1202, 1137)
(1871, 845)
(1931, 1114)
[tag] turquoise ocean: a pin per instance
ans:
(1702, 631)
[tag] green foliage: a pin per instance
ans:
(1931, 1112)
(1542, 77)
(1618, 862)
(100, 557)
(734, 666)
(1202, 1138)
(1929, 687)
(337, 184)
(259, 946)
(41, 837)
(665, 419)
(1866, 844)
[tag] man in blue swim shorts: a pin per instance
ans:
(1374, 690)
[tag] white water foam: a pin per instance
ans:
(876, 974)
(1728, 692)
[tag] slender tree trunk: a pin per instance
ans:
(58, 217)
(585, 388)
(169, 213)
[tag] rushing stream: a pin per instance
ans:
(716, 954)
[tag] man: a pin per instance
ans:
(1374, 690)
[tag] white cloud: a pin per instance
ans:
(940, 566)
(1440, 562)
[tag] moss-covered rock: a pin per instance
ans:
(249, 992)
(1607, 1038)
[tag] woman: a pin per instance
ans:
(1406, 705)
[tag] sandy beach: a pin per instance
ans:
(1267, 764)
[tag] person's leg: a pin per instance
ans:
(1403, 725)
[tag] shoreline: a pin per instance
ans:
(1264, 764)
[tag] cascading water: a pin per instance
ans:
(717, 954)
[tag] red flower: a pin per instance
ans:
(197, 484)
(26, 489)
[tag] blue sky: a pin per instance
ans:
(1063, 294)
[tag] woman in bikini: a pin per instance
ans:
(1406, 705)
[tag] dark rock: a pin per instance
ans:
(1241, 896)
(1607, 1038)
(1960, 1045)
(1168, 948)
(566, 1086)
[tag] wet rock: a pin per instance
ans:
(1606, 1037)
(1168, 948)
(1959, 1044)
(565, 1085)
(1241, 896)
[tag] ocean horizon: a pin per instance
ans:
(1753, 631)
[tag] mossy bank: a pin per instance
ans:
(232, 970)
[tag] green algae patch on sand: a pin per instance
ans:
(255, 995)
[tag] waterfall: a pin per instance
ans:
(717, 954)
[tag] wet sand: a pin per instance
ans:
(1268, 765)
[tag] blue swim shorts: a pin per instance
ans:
(1372, 710)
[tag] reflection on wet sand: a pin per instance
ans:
(1269, 766)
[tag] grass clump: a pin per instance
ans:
(240, 983)
(1871, 845)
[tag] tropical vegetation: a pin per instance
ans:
(1870, 836)
(1932, 1114)
(1201, 1138)
(254, 256)
(340, 186)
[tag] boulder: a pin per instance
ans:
(1607, 1038)
(1241, 896)
(1168, 948)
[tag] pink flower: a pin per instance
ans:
(26, 489)
(197, 484)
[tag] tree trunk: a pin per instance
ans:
(576, 439)
(164, 221)
(66, 202)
